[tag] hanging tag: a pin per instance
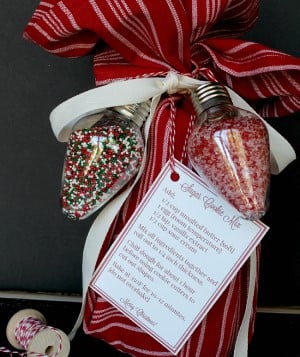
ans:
(175, 257)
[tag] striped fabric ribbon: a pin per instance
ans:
(134, 37)
(141, 38)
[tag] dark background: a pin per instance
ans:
(40, 250)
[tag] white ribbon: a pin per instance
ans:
(66, 115)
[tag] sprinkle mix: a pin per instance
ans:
(234, 156)
(99, 162)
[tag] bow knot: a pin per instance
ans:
(171, 83)
(178, 83)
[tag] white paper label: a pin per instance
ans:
(175, 257)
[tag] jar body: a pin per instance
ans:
(99, 162)
(230, 147)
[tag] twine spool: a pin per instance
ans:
(28, 330)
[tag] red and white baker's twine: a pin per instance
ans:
(172, 132)
(198, 73)
(190, 127)
(204, 72)
(25, 332)
(172, 105)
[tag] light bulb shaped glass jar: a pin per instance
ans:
(104, 152)
(230, 147)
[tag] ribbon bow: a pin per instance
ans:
(130, 39)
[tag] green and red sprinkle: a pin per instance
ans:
(99, 161)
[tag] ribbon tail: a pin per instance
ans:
(268, 79)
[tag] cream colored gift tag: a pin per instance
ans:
(176, 255)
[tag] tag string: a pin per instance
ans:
(190, 127)
(172, 105)
(198, 71)
(172, 133)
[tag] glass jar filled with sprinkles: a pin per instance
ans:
(104, 152)
(230, 147)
